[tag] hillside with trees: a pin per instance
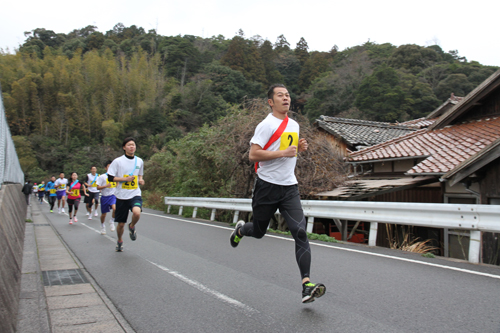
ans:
(193, 102)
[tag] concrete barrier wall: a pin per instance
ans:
(12, 224)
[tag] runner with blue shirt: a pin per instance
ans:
(127, 171)
(51, 190)
(41, 192)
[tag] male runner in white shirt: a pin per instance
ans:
(127, 171)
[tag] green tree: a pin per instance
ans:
(301, 51)
(380, 95)
(281, 44)
(25, 153)
(454, 83)
(243, 56)
(268, 57)
(334, 93)
(317, 64)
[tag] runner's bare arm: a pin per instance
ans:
(257, 154)
(123, 179)
(85, 190)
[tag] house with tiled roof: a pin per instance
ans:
(454, 160)
(347, 135)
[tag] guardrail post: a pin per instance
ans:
(236, 214)
(212, 216)
(310, 224)
(180, 210)
(195, 210)
(168, 209)
(474, 246)
(372, 239)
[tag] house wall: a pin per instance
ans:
(423, 194)
(382, 167)
(490, 195)
(490, 184)
(460, 189)
(338, 146)
(403, 165)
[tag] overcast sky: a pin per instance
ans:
(471, 27)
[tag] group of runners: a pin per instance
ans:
(118, 191)
(273, 148)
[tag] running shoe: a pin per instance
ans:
(58, 210)
(87, 213)
(95, 214)
(132, 233)
(90, 217)
(119, 246)
(51, 211)
(112, 226)
(62, 210)
(75, 219)
(235, 239)
(103, 229)
(311, 291)
(70, 221)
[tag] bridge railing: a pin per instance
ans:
(10, 169)
(474, 218)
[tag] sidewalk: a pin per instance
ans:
(57, 294)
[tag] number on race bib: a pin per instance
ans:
(75, 193)
(130, 185)
(62, 187)
(113, 184)
(289, 139)
(52, 191)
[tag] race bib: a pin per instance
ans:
(289, 139)
(52, 191)
(75, 193)
(93, 185)
(113, 184)
(130, 185)
(62, 187)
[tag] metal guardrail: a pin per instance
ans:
(474, 218)
(10, 169)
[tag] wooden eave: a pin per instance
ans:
(469, 101)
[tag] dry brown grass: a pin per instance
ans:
(406, 241)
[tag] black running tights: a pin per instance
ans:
(267, 198)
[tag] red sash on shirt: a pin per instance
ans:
(274, 137)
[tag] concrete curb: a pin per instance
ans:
(77, 307)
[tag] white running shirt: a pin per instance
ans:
(102, 181)
(92, 187)
(122, 167)
(280, 171)
(60, 184)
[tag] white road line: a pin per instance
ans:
(108, 237)
(206, 290)
(226, 299)
(344, 249)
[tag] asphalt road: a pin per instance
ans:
(181, 275)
